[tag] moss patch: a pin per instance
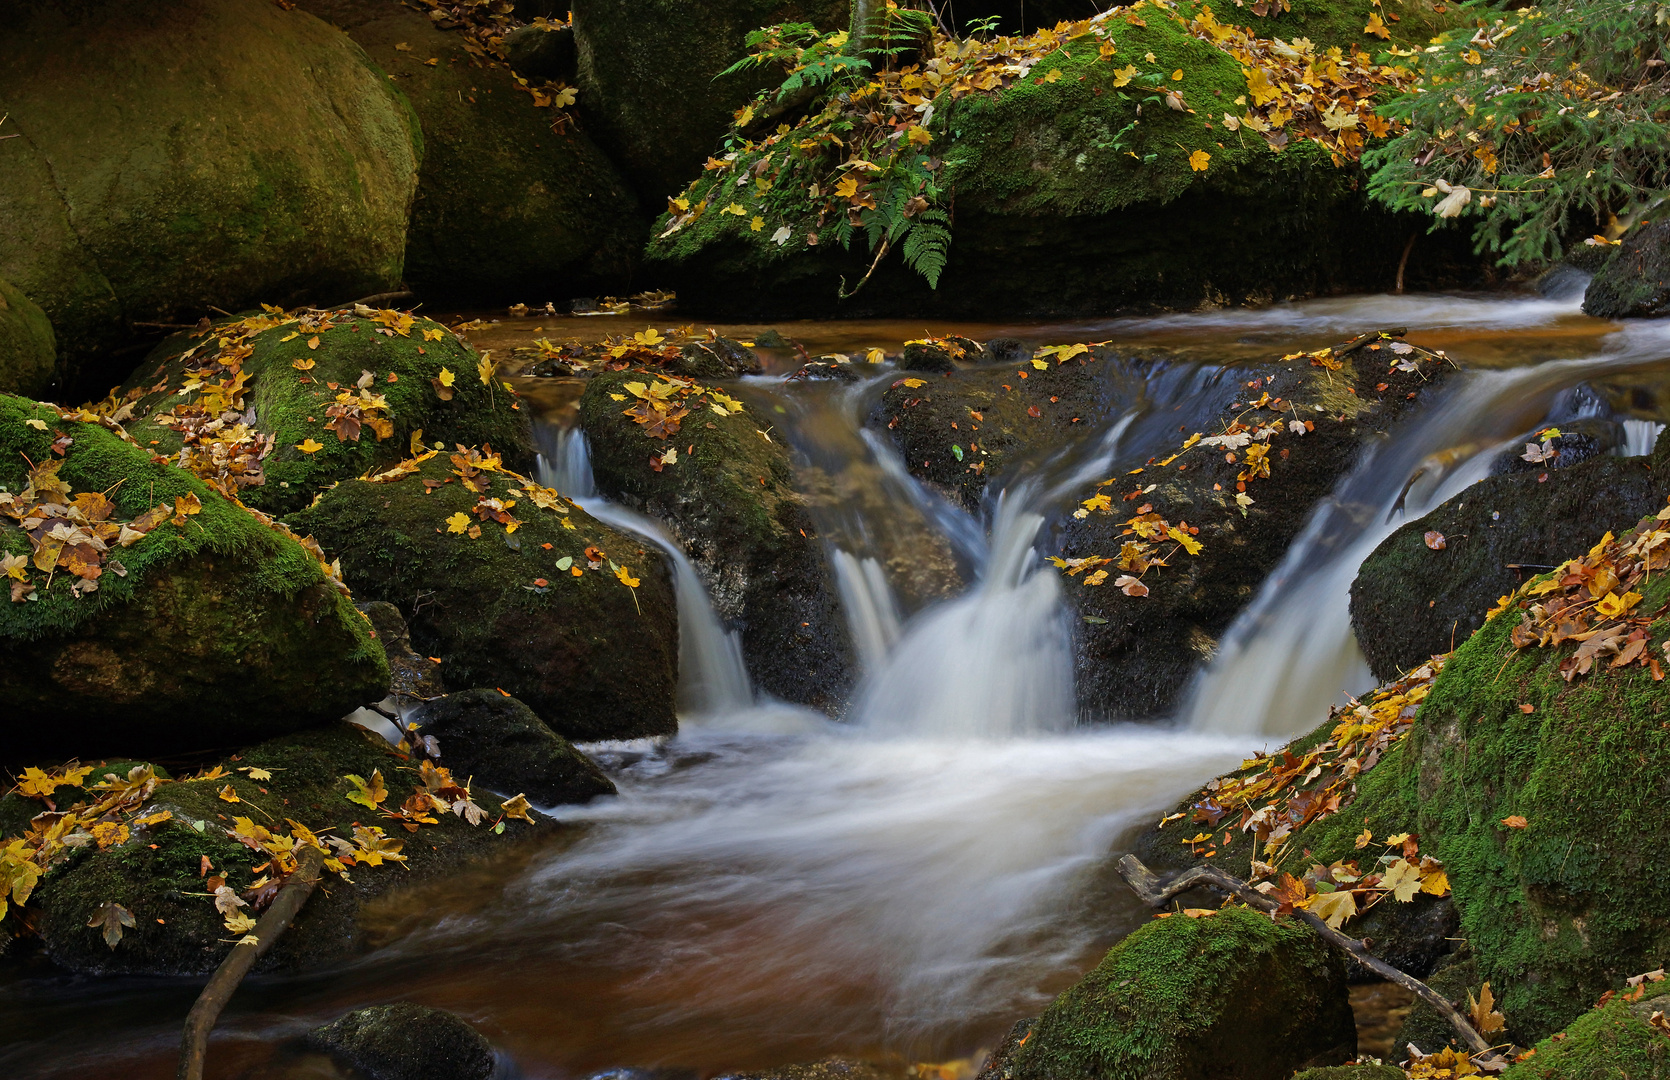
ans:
(1181, 998)
(1615, 1041)
(28, 349)
(591, 658)
(177, 929)
(220, 610)
(290, 405)
(731, 502)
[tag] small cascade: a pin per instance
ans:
(994, 663)
(712, 679)
(872, 611)
(1640, 436)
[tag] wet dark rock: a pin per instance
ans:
(1353, 1072)
(1006, 351)
(595, 658)
(971, 430)
(540, 52)
(413, 679)
(731, 502)
(1577, 442)
(925, 356)
(1000, 1064)
(156, 873)
(1229, 995)
(1410, 601)
(503, 744)
(819, 370)
(1634, 282)
(831, 1069)
(314, 164)
(1424, 1027)
(407, 1042)
(721, 358)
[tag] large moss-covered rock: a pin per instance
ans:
(1635, 281)
(1410, 601)
(248, 368)
(28, 349)
(648, 77)
(1232, 994)
(595, 658)
(406, 1042)
(971, 429)
(1061, 207)
(730, 501)
(128, 200)
(212, 631)
(157, 871)
(1618, 1040)
(513, 203)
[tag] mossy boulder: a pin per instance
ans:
(731, 502)
(1061, 207)
(513, 203)
(127, 202)
(157, 872)
(28, 349)
(1617, 1040)
(1635, 282)
(406, 1042)
(1410, 601)
(1353, 1072)
(290, 405)
(649, 77)
(1231, 994)
(595, 659)
(970, 429)
(506, 746)
(215, 631)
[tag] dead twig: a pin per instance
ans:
(194, 1045)
(1143, 882)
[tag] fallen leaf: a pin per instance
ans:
(1514, 821)
(110, 918)
(1434, 540)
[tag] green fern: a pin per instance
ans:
(928, 245)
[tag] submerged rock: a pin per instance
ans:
(504, 745)
(277, 408)
(1229, 994)
(127, 205)
(28, 349)
(1285, 431)
(406, 1042)
(728, 495)
(511, 586)
(514, 200)
(720, 358)
(169, 618)
(1410, 600)
(413, 679)
(1635, 281)
(158, 866)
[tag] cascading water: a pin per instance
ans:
(871, 609)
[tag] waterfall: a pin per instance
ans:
(1640, 436)
(995, 662)
(871, 609)
(712, 679)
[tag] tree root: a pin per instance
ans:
(194, 1045)
(1147, 886)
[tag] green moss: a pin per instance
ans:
(1560, 911)
(178, 929)
(1333, 22)
(594, 659)
(1611, 1043)
(731, 502)
(1181, 994)
(1353, 1072)
(293, 410)
(218, 609)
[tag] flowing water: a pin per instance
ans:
(773, 886)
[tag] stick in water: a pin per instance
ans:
(194, 1046)
(1143, 882)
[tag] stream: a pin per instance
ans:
(903, 883)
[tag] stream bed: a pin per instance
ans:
(903, 883)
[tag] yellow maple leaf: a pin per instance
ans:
(847, 188)
(919, 135)
(1402, 880)
(1612, 605)
(458, 522)
(1332, 907)
(485, 366)
(1053, 76)
(1124, 75)
(757, 224)
(626, 577)
(517, 807)
(1199, 160)
(735, 208)
(308, 446)
(446, 377)
(1190, 544)
(303, 365)
(1376, 26)
(914, 383)
(228, 794)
